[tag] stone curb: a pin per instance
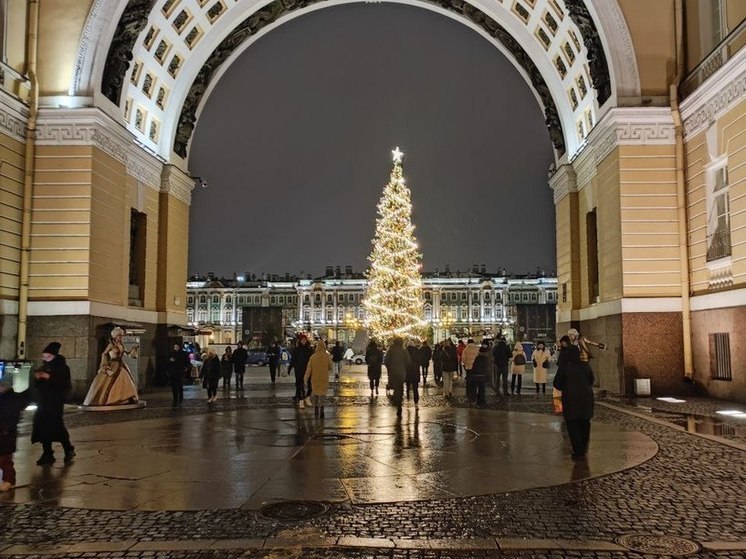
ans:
(501, 544)
(663, 422)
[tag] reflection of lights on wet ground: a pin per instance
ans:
(31, 407)
(671, 400)
(732, 413)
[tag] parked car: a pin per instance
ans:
(358, 358)
(257, 356)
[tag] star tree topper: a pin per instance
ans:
(397, 154)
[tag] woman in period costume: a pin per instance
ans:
(113, 384)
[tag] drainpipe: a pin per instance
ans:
(32, 40)
(681, 200)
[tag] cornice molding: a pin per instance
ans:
(92, 127)
(177, 183)
(563, 182)
(716, 96)
(623, 126)
(13, 116)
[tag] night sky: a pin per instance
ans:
(295, 143)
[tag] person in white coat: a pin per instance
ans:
(540, 361)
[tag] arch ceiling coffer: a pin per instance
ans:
(165, 55)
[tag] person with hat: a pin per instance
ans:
(52, 383)
(299, 362)
(11, 406)
(480, 371)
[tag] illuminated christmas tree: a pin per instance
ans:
(393, 300)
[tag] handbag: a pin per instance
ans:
(557, 403)
(545, 364)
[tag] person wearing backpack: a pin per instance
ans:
(519, 367)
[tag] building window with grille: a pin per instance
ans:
(720, 366)
(718, 212)
(138, 236)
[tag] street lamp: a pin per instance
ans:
(446, 321)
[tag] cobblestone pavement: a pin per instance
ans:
(692, 488)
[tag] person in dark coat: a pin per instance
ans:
(501, 356)
(397, 363)
(298, 363)
(576, 384)
(11, 406)
(273, 358)
(338, 353)
(450, 366)
(374, 360)
(178, 368)
(438, 363)
(425, 355)
(239, 364)
(226, 367)
(51, 384)
(413, 373)
(211, 374)
(480, 372)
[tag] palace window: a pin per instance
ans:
(718, 211)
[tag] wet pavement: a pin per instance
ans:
(448, 480)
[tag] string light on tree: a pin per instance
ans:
(393, 300)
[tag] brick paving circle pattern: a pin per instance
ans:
(658, 545)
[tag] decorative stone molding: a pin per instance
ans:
(13, 117)
(176, 182)
(91, 127)
(623, 126)
(102, 12)
(716, 96)
(720, 273)
(563, 182)
(620, 50)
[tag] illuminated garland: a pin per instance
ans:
(393, 300)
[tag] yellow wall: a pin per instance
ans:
(60, 26)
(12, 162)
(172, 254)
(568, 257)
(606, 186)
(651, 25)
(59, 264)
(730, 139)
(649, 218)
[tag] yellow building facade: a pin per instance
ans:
(644, 103)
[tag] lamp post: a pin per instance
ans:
(446, 321)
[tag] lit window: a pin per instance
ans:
(718, 212)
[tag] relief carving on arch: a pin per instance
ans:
(133, 21)
(273, 11)
(597, 63)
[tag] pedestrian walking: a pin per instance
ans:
(480, 372)
(397, 362)
(273, 359)
(540, 361)
(374, 360)
(11, 405)
(298, 363)
(576, 383)
(518, 368)
(468, 355)
(413, 373)
(425, 355)
(460, 351)
(317, 373)
(450, 366)
(226, 367)
(438, 363)
(501, 356)
(337, 356)
(239, 364)
(284, 361)
(52, 384)
(178, 368)
(211, 374)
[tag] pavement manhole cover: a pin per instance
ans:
(292, 511)
(330, 437)
(658, 545)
